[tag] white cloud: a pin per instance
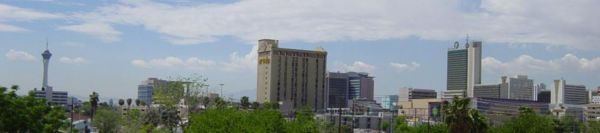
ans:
(572, 23)
(405, 67)
(11, 28)
(104, 31)
(14, 55)
(16, 14)
(357, 66)
(74, 60)
(526, 64)
(242, 63)
(170, 62)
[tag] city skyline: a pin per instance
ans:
(111, 54)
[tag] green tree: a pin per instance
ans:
(129, 103)
(94, 99)
(27, 113)
(170, 117)
(593, 126)
(460, 118)
(107, 120)
(151, 117)
(384, 126)
(400, 124)
(245, 102)
(567, 124)
(255, 105)
(302, 123)
(205, 101)
(527, 122)
(121, 102)
(231, 120)
(133, 121)
(137, 102)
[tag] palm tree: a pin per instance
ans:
(137, 102)
(121, 102)
(94, 103)
(128, 103)
(460, 118)
(245, 102)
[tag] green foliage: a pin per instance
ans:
(263, 120)
(303, 122)
(168, 94)
(527, 122)
(593, 127)
(137, 102)
(107, 120)
(169, 117)
(231, 120)
(121, 102)
(460, 118)
(255, 105)
(129, 102)
(567, 124)
(132, 122)
(27, 113)
(384, 126)
(94, 99)
(401, 126)
(151, 117)
(245, 102)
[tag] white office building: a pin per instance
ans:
(464, 69)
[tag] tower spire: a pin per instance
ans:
(467, 39)
(46, 43)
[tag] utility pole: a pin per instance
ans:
(340, 119)
(72, 109)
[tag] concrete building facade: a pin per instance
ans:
(499, 110)
(407, 94)
(537, 89)
(563, 93)
(592, 112)
(342, 87)
(294, 78)
(520, 87)
(463, 70)
(544, 96)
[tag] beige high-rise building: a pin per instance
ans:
(291, 78)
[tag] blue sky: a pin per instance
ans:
(111, 46)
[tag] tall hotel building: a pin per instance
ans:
(464, 69)
(291, 78)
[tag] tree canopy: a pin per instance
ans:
(27, 113)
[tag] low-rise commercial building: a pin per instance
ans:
(414, 93)
(421, 109)
(499, 110)
(592, 112)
